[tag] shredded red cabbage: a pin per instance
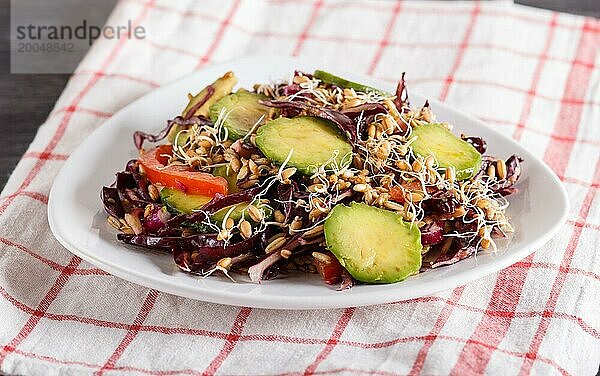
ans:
(220, 201)
(210, 90)
(432, 233)
(367, 109)
(196, 257)
(112, 202)
(477, 142)
(401, 100)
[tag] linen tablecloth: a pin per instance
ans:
(531, 74)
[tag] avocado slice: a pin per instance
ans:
(222, 86)
(448, 150)
(236, 214)
(332, 79)
(182, 202)
(243, 112)
(374, 245)
(313, 140)
(229, 175)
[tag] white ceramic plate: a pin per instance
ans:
(79, 223)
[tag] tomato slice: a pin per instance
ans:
(182, 178)
(331, 271)
(397, 193)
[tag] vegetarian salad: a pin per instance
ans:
(314, 174)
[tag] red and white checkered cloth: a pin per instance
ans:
(532, 74)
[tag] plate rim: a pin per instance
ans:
(229, 297)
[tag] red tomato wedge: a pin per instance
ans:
(182, 178)
(331, 270)
(398, 194)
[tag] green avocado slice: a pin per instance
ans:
(236, 214)
(448, 150)
(182, 202)
(332, 79)
(243, 112)
(374, 245)
(313, 140)
(222, 86)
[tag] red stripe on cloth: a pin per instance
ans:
(583, 183)
(100, 114)
(52, 264)
(535, 80)
(50, 359)
(560, 279)
(187, 12)
(87, 320)
(305, 32)
(127, 77)
(51, 156)
(34, 195)
(550, 266)
(586, 225)
(143, 313)
(60, 131)
(36, 316)
(474, 359)
(355, 371)
(170, 47)
(222, 28)
(232, 339)
(558, 154)
(15, 302)
(53, 360)
(443, 317)
(338, 330)
(130, 369)
(345, 371)
(461, 52)
(385, 41)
